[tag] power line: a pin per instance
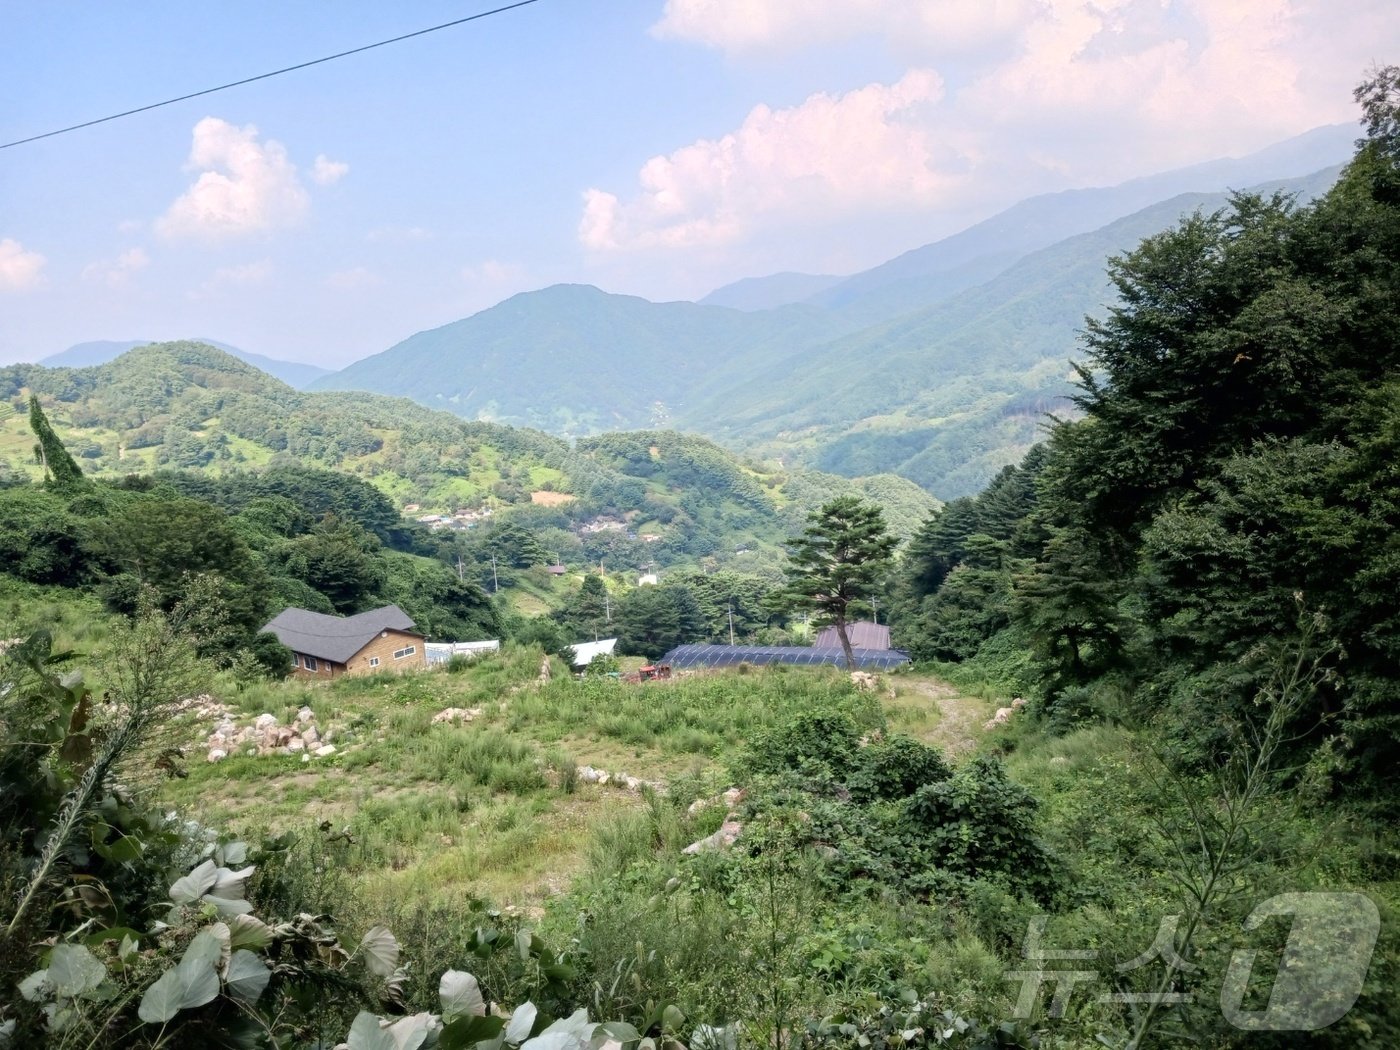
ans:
(274, 73)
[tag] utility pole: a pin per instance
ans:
(495, 580)
(460, 576)
(875, 610)
(731, 623)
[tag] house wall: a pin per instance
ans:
(325, 669)
(384, 648)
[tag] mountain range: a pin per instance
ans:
(938, 365)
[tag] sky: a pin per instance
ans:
(660, 148)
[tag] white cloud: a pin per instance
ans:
(244, 275)
(116, 273)
(244, 186)
(869, 148)
(349, 280)
(20, 270)
(934, 26)
(1003, 98)
(325, 171)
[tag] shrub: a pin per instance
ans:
(894, 769)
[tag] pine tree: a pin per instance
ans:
(838, 562)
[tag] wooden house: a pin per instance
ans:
(329, 646)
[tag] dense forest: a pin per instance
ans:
(1229, 494)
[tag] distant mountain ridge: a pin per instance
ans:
(99, 352)
(937, 365)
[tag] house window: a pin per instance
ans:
(407, 650)
(309, 662)
(374, 661)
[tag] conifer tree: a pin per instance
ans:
(838, 562)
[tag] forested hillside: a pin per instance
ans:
(1218, 531)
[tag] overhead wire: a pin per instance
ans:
(274, 73)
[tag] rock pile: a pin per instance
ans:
(455, 714)
(729, 831)
(590, 775)
(266, 736)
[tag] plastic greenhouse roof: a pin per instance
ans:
(732, 655)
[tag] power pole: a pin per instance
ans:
(495, 580)
(731, 624)
(875, 610)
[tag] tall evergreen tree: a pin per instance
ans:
(838, 562)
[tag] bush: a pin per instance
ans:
(978, 823)
(894, 769)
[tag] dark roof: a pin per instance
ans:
(732, 655)
(335, 638)
(863, 635)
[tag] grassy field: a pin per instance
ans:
(494, 807)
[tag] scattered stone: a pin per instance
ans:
(325, 752)
(264, 721)
(295, 744)
(1018, 703)
(310, 736)
(1002, 717)
(865, 681)
(306, 715)
(728, 832)
(456, 714)
(217, 755)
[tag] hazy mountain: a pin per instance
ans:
(572, 359)
(99, 352)
(938, 365)
(928, 274)
(768, 293)
(949, 394)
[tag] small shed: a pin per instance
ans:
(863, 635)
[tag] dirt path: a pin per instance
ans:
(937, 713)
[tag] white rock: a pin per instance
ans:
(305, 757)
(306, 715)
(295, 744)
(725, 836)
(218, 754)
(310, 736)
(264, 721)
(326, 751)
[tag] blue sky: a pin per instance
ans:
(652, 147)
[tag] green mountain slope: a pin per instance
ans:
(574, 360)
(948, 395)
(99, 352)
(671, 499)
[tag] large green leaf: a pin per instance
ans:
(461, 995)
(247, 976)
(248, 931)
(366, 1034)
(381, 950)
(521, 1023)
(179, 988)
(73, 970)
(196, 884)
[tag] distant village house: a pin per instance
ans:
(327, 647)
